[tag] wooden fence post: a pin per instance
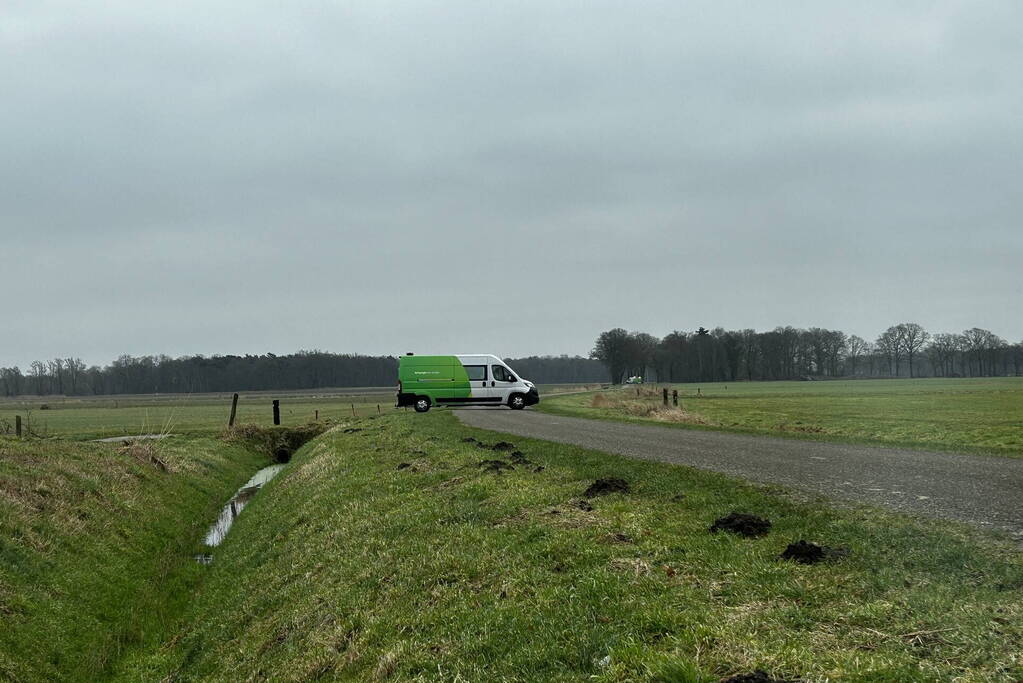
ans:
(353, 410)
(665, 394)
(17, 426)
(234, 410)
(378, 408)
(674, 397)
(277, 412)
(317, 415)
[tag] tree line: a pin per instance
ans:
(200, 374)
(903, 350)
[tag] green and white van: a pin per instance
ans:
(425, 381)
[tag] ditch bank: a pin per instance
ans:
(97, 542)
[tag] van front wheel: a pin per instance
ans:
(517, 402)
(422, 404)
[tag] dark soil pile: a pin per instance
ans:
(494, 465)
(469, 439)
(749, 526)
(503, 446)
(757, 676)
(519, 458)
(811, 553)
(584, 505)
(404, 465)
(605, 486)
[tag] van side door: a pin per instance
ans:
(502, 382)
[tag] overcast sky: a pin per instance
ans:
(381, 177)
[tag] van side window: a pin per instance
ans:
(502, 375)
(476, 372)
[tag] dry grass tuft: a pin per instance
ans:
(647, 405)
(145, 451)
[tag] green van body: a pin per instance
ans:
(439, 377)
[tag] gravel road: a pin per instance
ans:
(986, 491)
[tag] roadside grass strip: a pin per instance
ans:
(388, 551)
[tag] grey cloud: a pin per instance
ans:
(380, 177)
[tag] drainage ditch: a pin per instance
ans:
(277, 442)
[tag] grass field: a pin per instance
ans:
(973, 415)
(388, 553)
(131, 415)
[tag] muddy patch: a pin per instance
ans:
(503, 446)
(804, 552)
(603, 487)
(405, 466)
(742, 524)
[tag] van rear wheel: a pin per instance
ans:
(422, 404)
(517, 402)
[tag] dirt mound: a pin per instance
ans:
(804, 552)
(494, 465)
(584, 505)
(403, 466)
(519, 458)
(605, 486)
(470, 439)
(757, 676)
(740, 523)
(503, 446)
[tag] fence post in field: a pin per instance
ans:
(17, 426)
(353, 410)
(234, 410)
(317, 415)
(674, 397)
(665, 394)
(378, 408)
(277, 412)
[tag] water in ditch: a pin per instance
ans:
(233, 508)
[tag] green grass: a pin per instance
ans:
(96, 548)
(97, 417)
(90, 418)
(346, 567)
(972, 415)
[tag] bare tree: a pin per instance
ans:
(890, 345)
(855, 348)
(74, 367)
(913, 338)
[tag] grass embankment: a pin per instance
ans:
(969, 415)
(96, 544)
(389, 553)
